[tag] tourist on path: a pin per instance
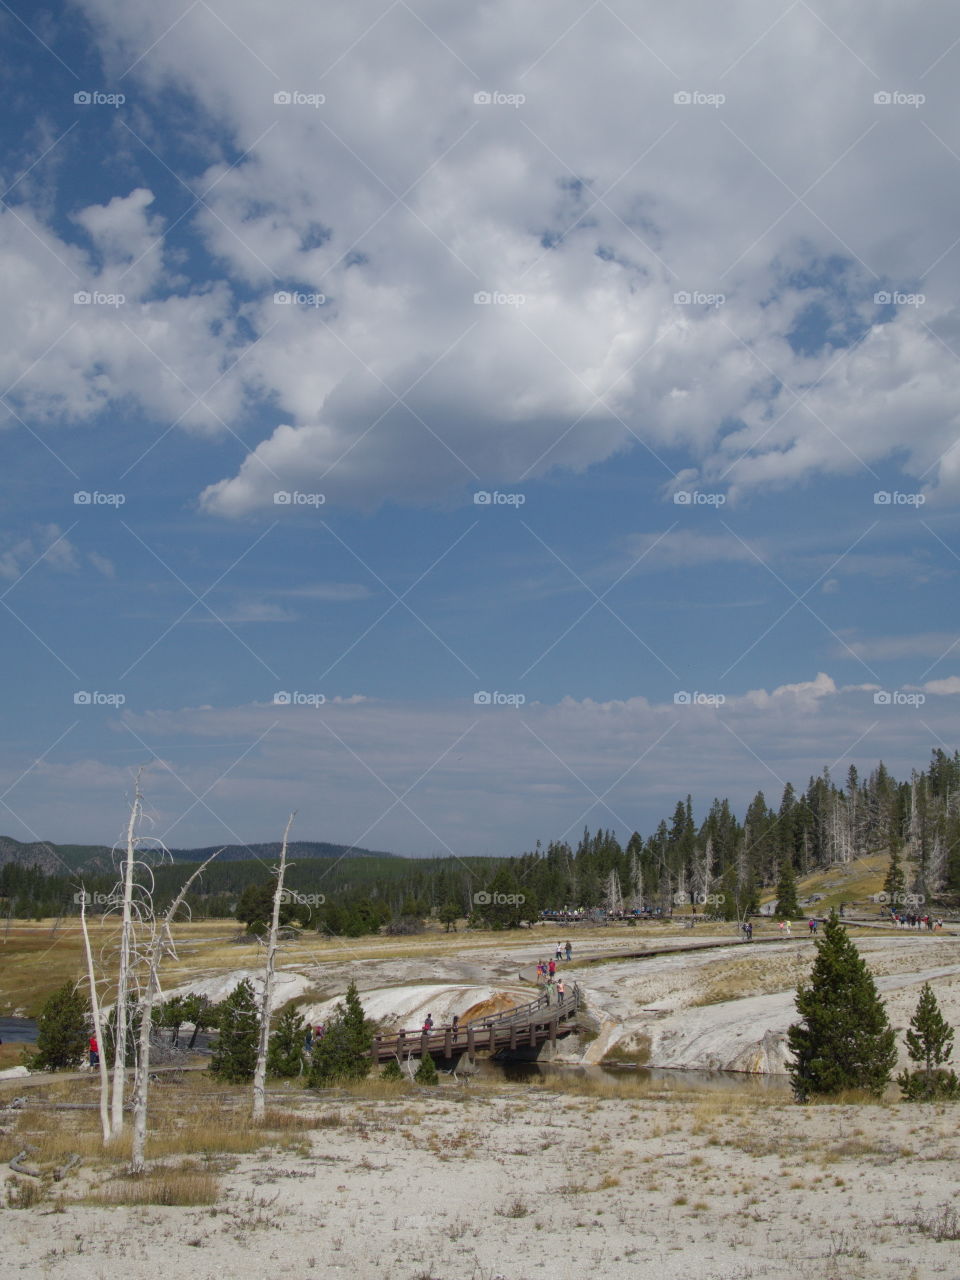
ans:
(569, 950)
(552, 968)
(94, 1052)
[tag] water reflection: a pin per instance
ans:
(661, 1078)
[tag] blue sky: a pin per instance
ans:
(677, 292)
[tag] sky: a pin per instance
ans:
(467, 424)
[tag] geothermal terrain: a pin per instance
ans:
(584, 1170)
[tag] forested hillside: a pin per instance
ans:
(825, 825)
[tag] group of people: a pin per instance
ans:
(312, 1036)
(547, 976)
(908, 920)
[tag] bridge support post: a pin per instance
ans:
(533, 1035)
(375, 1050)
(448, 1043)
(513, 1036)
(553, 1031)
(471, 1041)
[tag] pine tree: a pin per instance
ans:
(895, 884)
(392, 1071)
(426, 1073)
(343, 1053)
(285, 1053)
(929, 1042)
(235, 1052)
(788, 908)
(63, 1030)
(843, 1040)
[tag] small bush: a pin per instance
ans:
(426, 1073)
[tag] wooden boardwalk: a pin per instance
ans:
(526, 1027)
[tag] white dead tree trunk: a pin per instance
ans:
(266, 1006)
(97, 1022)
(160, 936)
(123, 977)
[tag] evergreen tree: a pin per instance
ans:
(895, 884)
(392, 1071)
(202, 1012)
(63, 1031)
(286, 1048)
(448, 915)
(426, 1073)
(929, 1042)
(235, 1052)
(343, 1053)
(255, 907)
(843, 1040)
(788, 908)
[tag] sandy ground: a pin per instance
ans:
(519, 1184)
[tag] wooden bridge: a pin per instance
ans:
(524, 1028)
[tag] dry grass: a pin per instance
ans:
(184, 1186)
(11, 1054)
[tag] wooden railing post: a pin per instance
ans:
(448, 1043)
(471, 1039)
(375, 1049)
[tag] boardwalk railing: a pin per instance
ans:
(528, 1025)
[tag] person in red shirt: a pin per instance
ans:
(94, 1052)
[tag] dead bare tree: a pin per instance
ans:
(160, 939)
(266, 1005)
(123, 976)
(97, 1022)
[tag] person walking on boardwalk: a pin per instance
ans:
(94, 1052)
(552, 968)
(569, 950)
(561, 991)
(559, 950)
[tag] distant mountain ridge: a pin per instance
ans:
(271, 851)
(59, 859)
